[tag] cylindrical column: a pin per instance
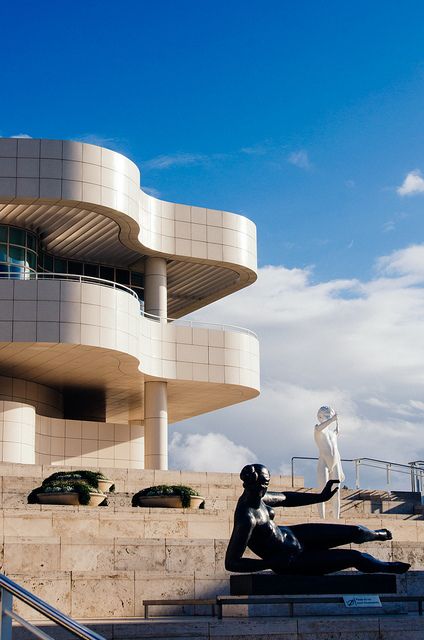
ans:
(18, 432)
(155, 287)
(155, 425)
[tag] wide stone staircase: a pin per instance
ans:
(100, 563)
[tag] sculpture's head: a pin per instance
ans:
(325, 413)
(255, 478)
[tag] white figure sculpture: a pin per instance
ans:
(329, 462)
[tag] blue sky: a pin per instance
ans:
(305, 116)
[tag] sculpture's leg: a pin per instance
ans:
(336, 499)
(326, 536)
(322, 478)
(322, 562)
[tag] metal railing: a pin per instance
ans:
(198, 324)
(10, 589)
(415, 470)
(417, 475)
(74, 277)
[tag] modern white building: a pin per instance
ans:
(95, 279)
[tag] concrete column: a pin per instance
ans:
(155, 287)
(19, 423)
(155, 425)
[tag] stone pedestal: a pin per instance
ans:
(260, 584)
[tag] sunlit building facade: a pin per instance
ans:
(96, 276)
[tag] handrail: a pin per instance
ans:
(9, 588)
(413, 469)
(76, 277)
(199, 324)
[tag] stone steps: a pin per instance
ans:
(351, 505)
(342, 627)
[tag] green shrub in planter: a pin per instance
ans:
(82, 482)
(185, 493)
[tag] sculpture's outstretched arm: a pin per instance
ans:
(323, 425)
(234, 560)
(298, 499)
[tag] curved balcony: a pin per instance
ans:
(75, 331)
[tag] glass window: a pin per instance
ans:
(75, 267)
(91, 270)
(17, 255)
(31, 260)
(3, 233)
(48, 262)
(139, 293)
(17, 273)
(137, 279)
(60, 265)
(17, 236)
(31, 242)
(107, 273)
(123, 276)
(3, 252)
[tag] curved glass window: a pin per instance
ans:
(18, 252)
(19, 257)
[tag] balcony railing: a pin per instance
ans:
(73, 277)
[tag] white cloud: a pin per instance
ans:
(357, 346)
(174, 160)
(210, 452)
(183, 160)
(115, 144)
(389, 226)
(412, 185)
(21, 135)
(407, 263)
(151, 191)
(260, 149)
(300, 159)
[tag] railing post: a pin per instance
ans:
(357, 463)
(412, 478)
(292, 471)
(388, 468)
(6, 621)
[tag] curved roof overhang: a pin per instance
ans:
(86, 204)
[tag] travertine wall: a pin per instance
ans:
(88, 444)
(46, 400)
